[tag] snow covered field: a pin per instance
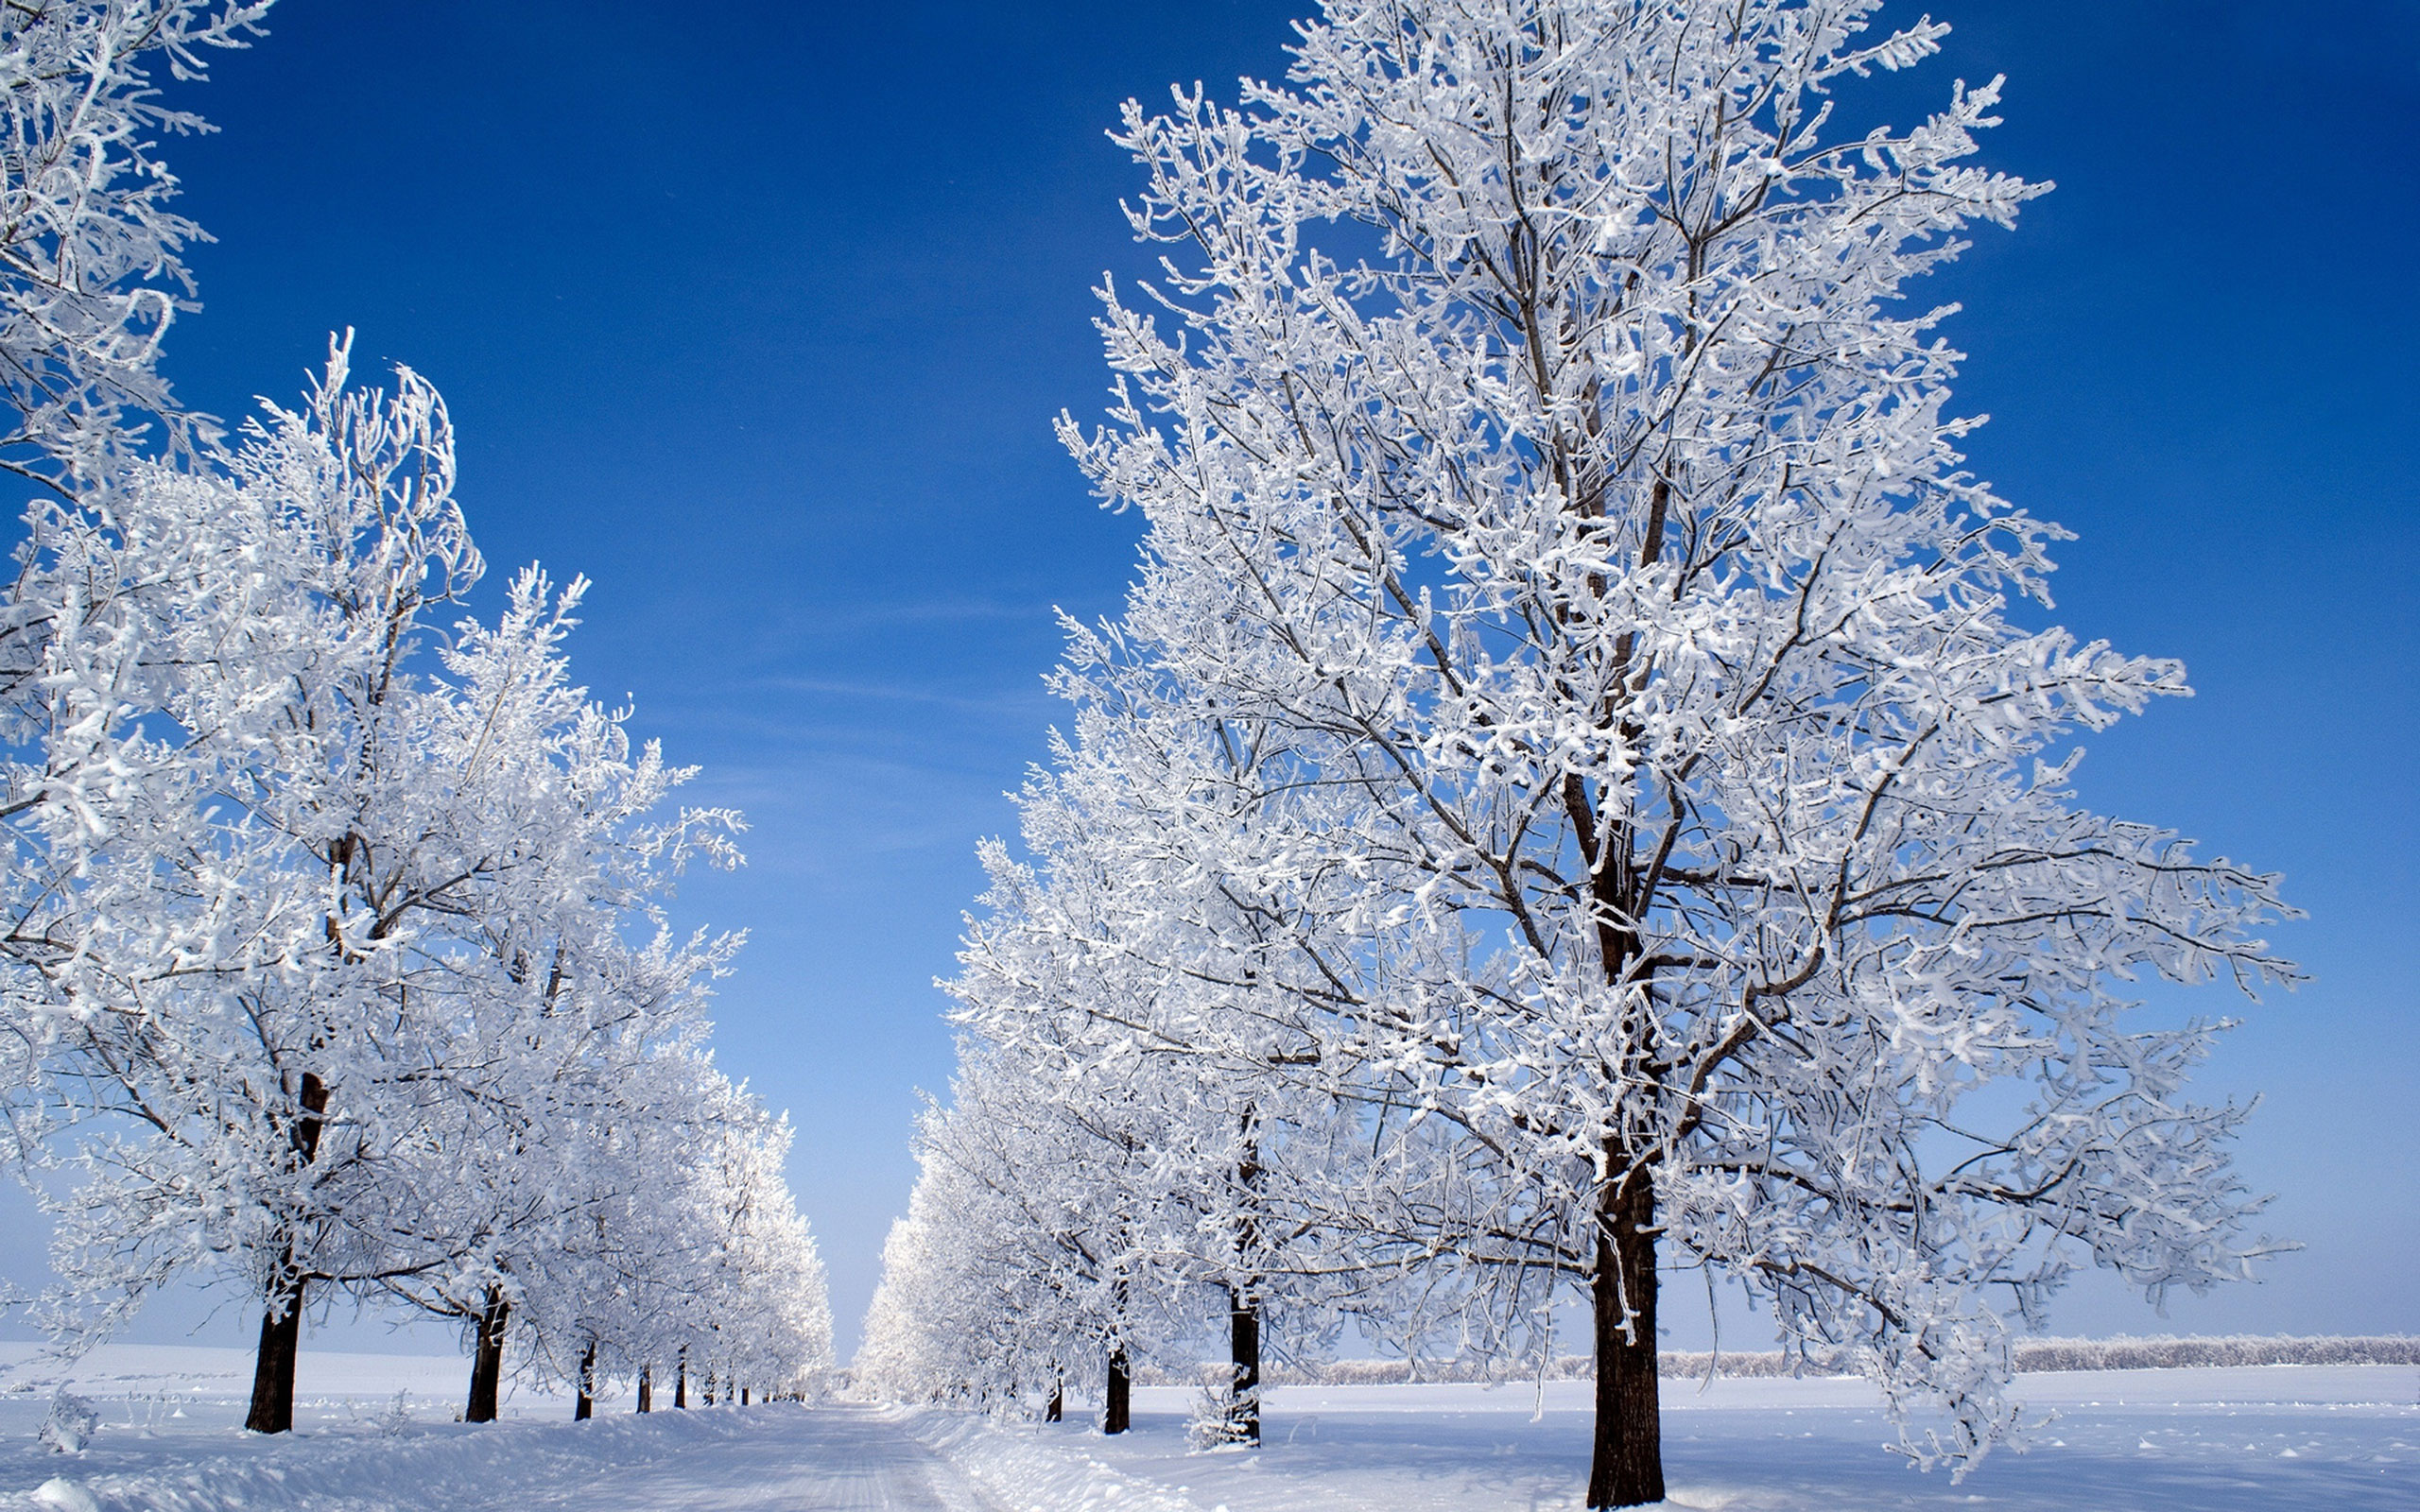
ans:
(2225, 1440)
(2287, 1437)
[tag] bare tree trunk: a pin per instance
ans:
(1115, 1413)
(1626, 1467)
(1057, 1411)
(743, 1396)
(272, 1410)
(681, 1378)
(709, 1384)
(584, 1406)
(486, 1358)
(647, 1388)
(1243, 1349)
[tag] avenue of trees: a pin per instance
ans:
(1580, 789)
(335, 961)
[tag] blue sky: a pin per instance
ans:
(758, 312)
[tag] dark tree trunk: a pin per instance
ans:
(710, 1388)
(1057, 1411)
(681, 1378)
(1243, 1349)
(584, 1406)
(743, 1396)
(1115, 1413)
(486, 1358)
(647, 1388)
(273, 1367)
(1243, 1307)
(272, 1410)
(1626, 1467)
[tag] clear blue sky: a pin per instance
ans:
(757, 313)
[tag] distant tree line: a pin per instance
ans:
(2191, 1351)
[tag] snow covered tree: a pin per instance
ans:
(332, 958)
(1540, 451)
(985, 1282)
(89, 279)
(585, 1309)
(90, 275)
(1117, 989)
(230, 950)
(920, 1320)
(768, 1305)
(577, 999)
(1038, 1246)
(344, 965)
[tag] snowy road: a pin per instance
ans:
(834, 1459)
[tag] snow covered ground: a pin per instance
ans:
(2285, 1437)
(169, 1441)
(2221, 1440)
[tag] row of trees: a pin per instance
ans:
(1580, 788)
(335, 961)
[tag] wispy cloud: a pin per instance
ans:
(997, 703)
(934, 611)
